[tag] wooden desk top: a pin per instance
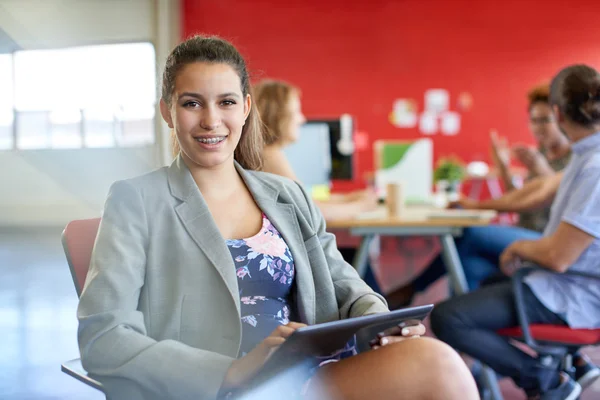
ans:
(417, 217)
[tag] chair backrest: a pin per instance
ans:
(78, 242)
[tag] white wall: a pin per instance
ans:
(52, 187)
(37, 24)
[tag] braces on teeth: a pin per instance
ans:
(211, 140)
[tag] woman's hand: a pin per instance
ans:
(465, 203)
(532, 159)
(243, 369)
(403, 331)
(368, 201)
(357, 195)
(526, 155)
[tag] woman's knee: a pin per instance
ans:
(442, 369)
(449, 375)
(427, 353)
(421, 368)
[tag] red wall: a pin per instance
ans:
(357, 57)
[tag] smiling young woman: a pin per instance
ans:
(228, 110)
(202, 269)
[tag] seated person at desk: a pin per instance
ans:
(553, 151)
(553, 155)
(169, 307)
(280, 109)
(571, 241)
(480, 247)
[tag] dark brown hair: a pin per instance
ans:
(272, 99)
(576, 92)
(538, 94)
(219, 51)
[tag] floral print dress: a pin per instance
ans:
(265, 271)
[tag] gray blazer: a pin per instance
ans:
(159, 316)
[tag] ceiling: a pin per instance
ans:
(7, 44)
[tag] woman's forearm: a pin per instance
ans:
(514, 201)
(537, 193)
(506, 177)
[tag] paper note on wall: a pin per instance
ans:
(428, 123)
(404, 114)
(450, 123)
(437, 100)
(436, 116)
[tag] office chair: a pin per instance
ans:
(78, 240)
(554, 344)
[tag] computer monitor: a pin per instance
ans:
(324, 151)
(310, 155)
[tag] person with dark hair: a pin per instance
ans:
(480, 247)
(200, 269)
(571, 241)
(552, 155)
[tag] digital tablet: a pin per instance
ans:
(321, 340)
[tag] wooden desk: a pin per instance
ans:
(399, 222)
(417, 221)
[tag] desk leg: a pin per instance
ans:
(453, 264)
(361, 258)
(459, 282)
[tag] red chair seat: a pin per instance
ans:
(556, 334)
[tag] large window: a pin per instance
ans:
(94, 96)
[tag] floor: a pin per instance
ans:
(37, 318)
(38, 325)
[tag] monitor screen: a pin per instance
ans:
(310, 155)
(324, 151)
